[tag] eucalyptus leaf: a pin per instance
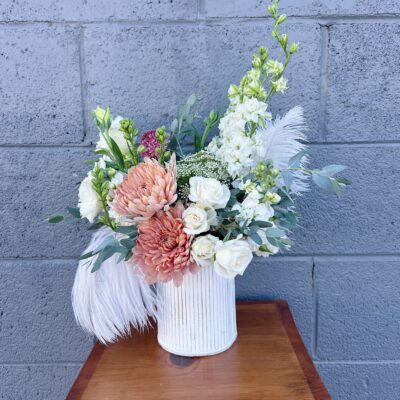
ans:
(343, 181)
(295, 161)
(261, 224)
(55, 219)
(95, 226)
(256, 238)
(324, 182)
(274, 232)
(288, 178)
(128, 243)
(130, 230)
(331, 170)
(74, 212)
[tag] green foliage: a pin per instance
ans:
(101, 187)
(266, 69)
(183, 126)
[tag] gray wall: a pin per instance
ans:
(58, 60)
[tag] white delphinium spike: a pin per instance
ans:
(109, 302)
(282, 140)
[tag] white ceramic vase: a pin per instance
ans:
(199, 317)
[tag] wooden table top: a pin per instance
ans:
(268, 361)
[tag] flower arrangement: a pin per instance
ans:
(169, 213)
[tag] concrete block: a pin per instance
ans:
(90, 10)
(40, 85)
(36, 318)
(363, 85)
(358, 308)
(363, 220)
(258, 8)
(361, 381)
(36, 382)
(148, 72)
(38, 183)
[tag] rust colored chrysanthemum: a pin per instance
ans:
(162, 250)
(146, 189)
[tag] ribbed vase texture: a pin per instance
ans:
(199, 317)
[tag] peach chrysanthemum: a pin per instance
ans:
(162, 251)
(146, 189)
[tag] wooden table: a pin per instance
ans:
(268, 361)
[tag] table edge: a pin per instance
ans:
(315, 382)
(311, 374)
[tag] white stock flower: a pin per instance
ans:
(116, 135)
(232, 258)
(236, 147)
(209, 192)
(195, 220)
(203, 249)
(280, 85)
(252, 209)
(117, 179)
(89, 202)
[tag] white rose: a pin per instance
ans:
(89, 202)
(232, 258)
(209, 191)
(203, 249)
(212, 217)
(116, 135)
(195, 220)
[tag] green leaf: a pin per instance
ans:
(102, 152)
(55, 219)
(87, 255)
(229, 214)
(295, 161)
(261, 224)
(174, 125)
(104, 255)
(343, 181)
(274, 232)
(227, 236)
(324, 182)
(191, 100)
(331, 170)
(74, 212)
(256, 238)
(117, 154)
(130, 230)
(128, 243)
(287, 178)
(128, 255)
(95, 226)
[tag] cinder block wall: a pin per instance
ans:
(59, 59)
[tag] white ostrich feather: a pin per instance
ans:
(282, 140)
(109, 302)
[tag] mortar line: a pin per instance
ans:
(293, 257)
(374, 144)
(82, 76)
(315, 304)
(324, 71)
(321, 19)
(43, 364)
(357, 362)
